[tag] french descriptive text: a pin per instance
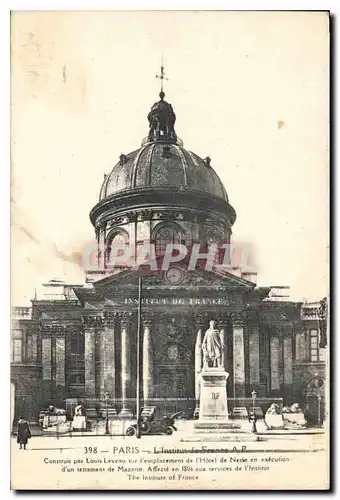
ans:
(157, 468)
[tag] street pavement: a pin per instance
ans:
(52, 462)
(308, 440)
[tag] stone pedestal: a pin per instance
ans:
(213, 396)
(274, 421)
(213, 413)
(54, 421)
(79, 423)
(45, 422)
(294, 420)
(213, 423)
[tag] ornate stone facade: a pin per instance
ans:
(85, 357)
(82, 343)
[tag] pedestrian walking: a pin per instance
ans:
(24, 432)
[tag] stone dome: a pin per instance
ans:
(162, 180)
(162, 164)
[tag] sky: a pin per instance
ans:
(250, 90)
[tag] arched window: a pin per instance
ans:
(164, 236)
(316, 383)
(120, 237)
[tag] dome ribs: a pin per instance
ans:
(167, 171)
(184, 164)
(135, 166)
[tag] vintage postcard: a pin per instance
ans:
(170, 250)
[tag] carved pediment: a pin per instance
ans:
(191, 279)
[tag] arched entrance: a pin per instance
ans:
(315, 401)
(174, 377)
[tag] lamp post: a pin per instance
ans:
(253, 416)
(139, 359)
(106, 398)
(319, 409)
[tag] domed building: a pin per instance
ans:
(78, 344)
(162, 193)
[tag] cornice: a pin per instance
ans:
(147, 198)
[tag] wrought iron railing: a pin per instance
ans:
(95, 406)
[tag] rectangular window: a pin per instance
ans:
(314, 355)
(17, 350)
(314, 345)
(322, 354)
(29, 347)
(17, 334)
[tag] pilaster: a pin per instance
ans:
(238, 355)
(91, 325)
(147, 360)
(125, 324)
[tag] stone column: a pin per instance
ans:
(147, 362)
(125, 367)
(101, 249)
(238, 356)
(275, 362)
(107, 372)
(254, 356)
(46, 363)
(288, 359)
(90, 360)
(198, 363)
(53, 365)
(301, 343)
(60, 366)
(223, 329)
(39, 345)
(34, 347)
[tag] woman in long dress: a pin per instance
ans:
(24, 432)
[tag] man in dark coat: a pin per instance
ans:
(24, 432)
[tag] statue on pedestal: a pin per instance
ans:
(79, 411)
(294, 416)
(79, 419)
(53, 410)
(213, 347)
(273, 418)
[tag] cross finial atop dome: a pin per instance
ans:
(162, 77)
